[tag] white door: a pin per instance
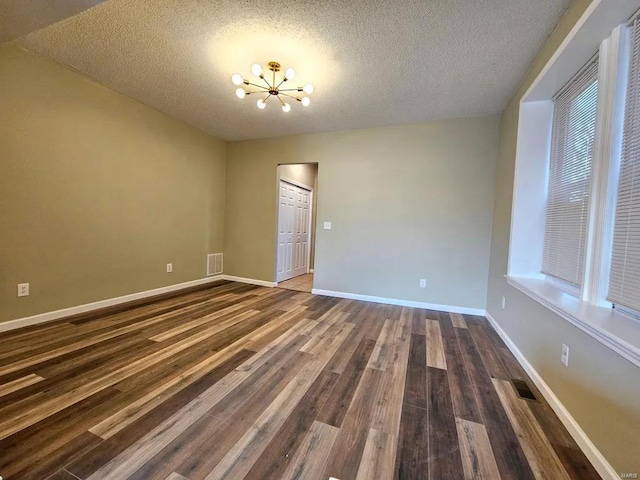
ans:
(293, 231)
(301, 235)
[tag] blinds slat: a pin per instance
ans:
(569, 185)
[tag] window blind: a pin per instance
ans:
(569, 186)
(624, 282)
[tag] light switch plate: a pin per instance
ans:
(327, 225)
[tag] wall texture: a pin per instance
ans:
(599, 388)
(406, 202)
(307, 174)
(97, 192)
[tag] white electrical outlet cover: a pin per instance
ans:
(327, 225)
(564, 356)
(23, 289)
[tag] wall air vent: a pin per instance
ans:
(214, 264)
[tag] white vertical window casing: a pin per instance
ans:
(624, 280)
(569, 189)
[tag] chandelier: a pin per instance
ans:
(271, 89)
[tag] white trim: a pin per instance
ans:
(612, 80)
(618, 331)
(252, 281)
(402, 303)
(88, 307)
(311, 270)
(296, 184)
(311, 200)
(596, 458)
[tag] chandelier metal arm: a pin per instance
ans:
(287, 95)
(265, 80)
(258, 86)
(299, 89)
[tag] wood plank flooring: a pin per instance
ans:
(232, 381)
(302, 283)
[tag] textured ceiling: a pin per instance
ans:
(20, 17)
(373, 62)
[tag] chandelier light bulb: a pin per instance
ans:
(237, 79)
(290, 73)
(256, 69)
(286, 107)
(305, 101)
(240, 93)
(308, 89)
(261, 104)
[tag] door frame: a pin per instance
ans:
(311, 200)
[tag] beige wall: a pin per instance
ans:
(97, 192)
(600, 389)
(406, 202)
(306, 174)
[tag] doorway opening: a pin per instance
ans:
(296, 219)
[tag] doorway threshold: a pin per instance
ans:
(302, 283)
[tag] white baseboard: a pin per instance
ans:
(88, 307)
(596, 458)
(252, 281)
(402, 303)
(311, 270)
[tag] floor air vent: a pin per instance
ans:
(523, 389)
(214, 264)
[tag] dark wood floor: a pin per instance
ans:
(235, 381)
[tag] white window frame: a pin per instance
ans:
(602, 29)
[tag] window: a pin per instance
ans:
(574, 124)
(624, 282)
(575, 225)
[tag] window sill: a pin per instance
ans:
(612, 328)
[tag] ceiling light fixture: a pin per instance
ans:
(272, 89)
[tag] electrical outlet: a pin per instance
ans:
(564, 357)
(504, 302)
(169, 267)
(23, 289)
(327, 225)
(423, 283)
